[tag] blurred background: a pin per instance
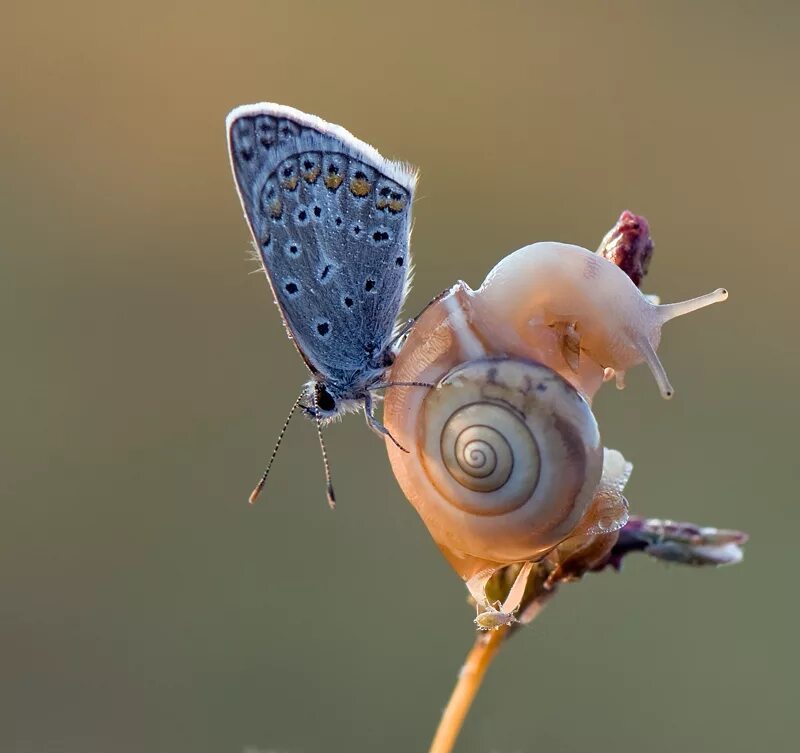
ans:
(145, 608)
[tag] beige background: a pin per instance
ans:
(145, 608)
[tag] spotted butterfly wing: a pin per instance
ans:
(331, 220)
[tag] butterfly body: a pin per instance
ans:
(330, 219)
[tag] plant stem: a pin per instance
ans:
(469, 682)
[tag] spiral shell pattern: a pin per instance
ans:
(508, 442)
(482, 459)
(483, 444)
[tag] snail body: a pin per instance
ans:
(505, 463)
(555, 283)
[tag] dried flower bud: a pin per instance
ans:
(684, 543)
(628, 245)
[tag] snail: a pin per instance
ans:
(506, 464)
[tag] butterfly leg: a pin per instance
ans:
(376, 425)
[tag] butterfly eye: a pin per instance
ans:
(325, 401)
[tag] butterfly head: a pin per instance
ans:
(325, 401)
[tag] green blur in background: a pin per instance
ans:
(146, 608)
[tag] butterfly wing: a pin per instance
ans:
(331, 220)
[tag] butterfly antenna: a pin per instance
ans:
(328, 482)
(260, 485)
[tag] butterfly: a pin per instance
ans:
(331, 220)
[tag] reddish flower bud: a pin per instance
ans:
(628, 245)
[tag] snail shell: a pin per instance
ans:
(505, 460)
(512, 453)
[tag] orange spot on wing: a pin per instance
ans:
(310, 176)
(359, 187)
